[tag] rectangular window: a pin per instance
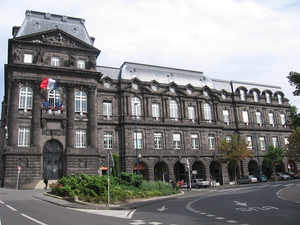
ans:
(24, 136)
(55, 61)
(283, 120)
(226, 116)
(108, 140)
(107, 108)
(275, 142)
(155, 110)
(191, 111)
(80, 138)
(245, 117)
(242, 95)
(27, 58)
(258, 118)
(211, 142)
(138, 140)
(81, 64)
(173, 109)
(286, 141)
(176, 141)
(158, 140)
(195, 141)
(207, 112)
(271, 119)
(262, 143)
(249, 140)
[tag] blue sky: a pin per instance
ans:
(245, 40)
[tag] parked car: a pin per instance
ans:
(197, 183)
(262, 178)
(293, 175)
(247, 179)
(281, 176)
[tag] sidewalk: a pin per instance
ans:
(132, 204)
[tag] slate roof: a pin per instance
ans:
(36, 22)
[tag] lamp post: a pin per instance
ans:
(257, 150)
(136, 142)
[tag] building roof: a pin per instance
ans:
(164, 75)
(35, 22)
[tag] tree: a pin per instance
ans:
(294, 80)
(294, 120)
(116, 167)
(234, 150)
(274, 156)
(293, 147)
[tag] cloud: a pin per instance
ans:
(246, 40)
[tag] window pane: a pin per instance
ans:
(157, 140)
(23, 136)
(80, 101)
(155, 110)
(25, 99)
(173, 109)
(107, 108)
(245, 117)
(108, 140)
(191, 111)
(136, 106)
(226, 116)
(207, 112)
(80, 138)
(195, 141)
(138, 139)
(27, 58)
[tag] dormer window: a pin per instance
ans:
(242, 95)
(255, 96)
(27, 58)
(81, 64)
(268, 98)
(55, 61)
(279, 97)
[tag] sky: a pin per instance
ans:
(245, 40)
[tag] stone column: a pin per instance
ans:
(92, 139)
(13, 114)
(71, 118)
(36, 128)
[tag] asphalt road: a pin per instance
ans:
(258, 204)
(267, 203)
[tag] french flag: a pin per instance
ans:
(48, 83)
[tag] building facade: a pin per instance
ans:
(154, 118)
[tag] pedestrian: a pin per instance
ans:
(46, 182)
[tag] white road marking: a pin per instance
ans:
(1, 202)
(125, 214)
(231, 221)
(13, 209)
(34, 220)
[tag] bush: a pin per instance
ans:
(122, 187)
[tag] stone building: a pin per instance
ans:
(152, 117)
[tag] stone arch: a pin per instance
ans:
(253, 168)
(215, 168)
(233, 170)
(161, 171)
(179, 172)
(199, 167)
(266, 169)
(143, 170)
(53, 159)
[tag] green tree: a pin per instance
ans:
(294, 80)
(294, 120)
(234, 150)
(293, 147)
(116, 167)
(274, 155)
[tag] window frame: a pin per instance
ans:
(80, 101)
(138, 139)
(80, 138)
(107, 108)
(25, 98)
(173, 106)
(262, 143)
(158, 141)
(28, 58)
(195, 141)
(191, 113)
(55, 61)
(176, 140)
(80, 64)
(136, 109)
(226, 118)
(155, 107)
(211, 142)
(207, 112)
(23, 136)
(108, 140)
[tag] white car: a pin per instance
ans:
(281, 176)
(197, 183)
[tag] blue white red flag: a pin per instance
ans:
(48, 83)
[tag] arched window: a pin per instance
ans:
(80, 101)
(207, 112)
(255, 96)
(173, 109)
(242, 95)
(268, 98)
(136, 106)
(25, 99)
(279, 97)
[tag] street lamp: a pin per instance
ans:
(257, 150)
(136, 141)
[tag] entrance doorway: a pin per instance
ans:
(53, 154)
